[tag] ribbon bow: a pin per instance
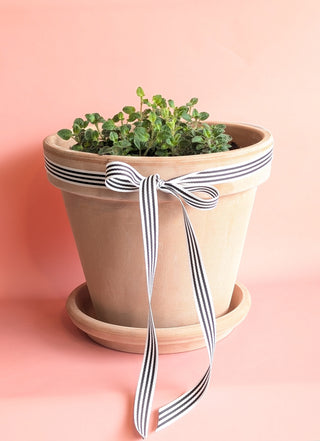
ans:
(124, 178)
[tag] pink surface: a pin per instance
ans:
(59, 385)
(246, 61)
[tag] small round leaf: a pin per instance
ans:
(65, 134)
(140, 92)
(203, 116)
(129, 109)
(197, 139)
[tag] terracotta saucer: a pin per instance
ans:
(170, 340)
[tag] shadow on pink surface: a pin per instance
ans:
(267, 368)
(48, 359)
(38, 253)
(274, 344)
(46, 354)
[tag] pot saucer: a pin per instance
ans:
(170, 340)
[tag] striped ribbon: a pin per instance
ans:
(122, 177)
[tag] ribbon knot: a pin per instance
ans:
(160, 182)
(124, 178)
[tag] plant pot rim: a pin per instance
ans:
(261, 139)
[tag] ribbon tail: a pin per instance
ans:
(147, 381)
(148, 374)
(203, 300)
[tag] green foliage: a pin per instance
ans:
(65, 134)
(157, 128)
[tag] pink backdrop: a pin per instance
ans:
(251, 61)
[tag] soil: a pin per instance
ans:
(234, 146)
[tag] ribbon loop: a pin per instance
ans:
(189, 196)
(122, 177)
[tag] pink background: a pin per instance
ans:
(251, 61)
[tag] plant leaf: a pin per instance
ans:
(109, 125)
(203, 116)
(133, 116)
(113, 136)
(140, 92)
(65, 134)
(76, 129)
(193, 101)
(141, 134)
(186, 116)
(197, 139)
(80, 122)
(77, 147)
(90, 117)
(152, 117)
(195, 113)
(124, 143)
(129, 109)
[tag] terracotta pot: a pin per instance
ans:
(107, 231)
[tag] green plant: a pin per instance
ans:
(157, 128)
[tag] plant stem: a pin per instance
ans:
(97, 127)
(141, 108)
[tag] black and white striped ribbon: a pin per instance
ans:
(122, 177)
(211, 176)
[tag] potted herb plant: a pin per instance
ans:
(141, 168)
